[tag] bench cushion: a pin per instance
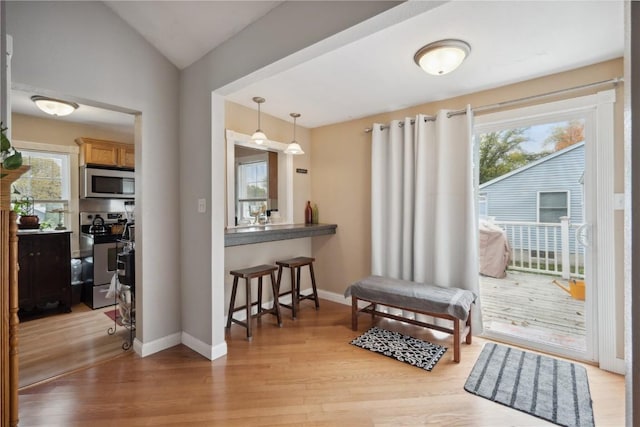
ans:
(413, 295)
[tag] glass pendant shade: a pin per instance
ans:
(294, 148)
(258, 136)
(54, 107)
(442, 57)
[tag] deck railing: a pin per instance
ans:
(548, 248)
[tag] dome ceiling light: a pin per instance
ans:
(54, 107)
(442, 57)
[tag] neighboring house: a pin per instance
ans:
(540, 192)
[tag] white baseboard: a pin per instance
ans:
(334, 297)
(208, 351)
(148, 348)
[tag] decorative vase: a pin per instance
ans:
(308, 214)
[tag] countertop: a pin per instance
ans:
(22, 232)
(269, 233)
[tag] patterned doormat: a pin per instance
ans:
(401, 347)
(548, 388)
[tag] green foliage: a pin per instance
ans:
(11, 158)
(501, 153)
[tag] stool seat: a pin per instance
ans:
(251, 273)
(295, 264)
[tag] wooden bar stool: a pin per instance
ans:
(247, 274)
(296, 264)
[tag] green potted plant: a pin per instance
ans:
(23, 207)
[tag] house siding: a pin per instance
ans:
(515, 197)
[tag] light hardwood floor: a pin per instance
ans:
(64, 342)
(304, 374)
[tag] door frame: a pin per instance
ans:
(600, 304)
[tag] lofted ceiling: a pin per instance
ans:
(511, 41)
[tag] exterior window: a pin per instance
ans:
(48, 183)
(253, 189)
(483, 205)
(552, 206)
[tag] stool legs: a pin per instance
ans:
(247, 282)
(296, 294)
(248, 274)
(232, 302)
(276, 305)
(313, 286)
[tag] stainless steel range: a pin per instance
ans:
(100, 237)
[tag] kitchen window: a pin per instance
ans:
(47, 181)
(253, 188)
(552, 205)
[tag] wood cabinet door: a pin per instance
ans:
(53, 269)
(100, 154)
(127, 157)
(26, 267)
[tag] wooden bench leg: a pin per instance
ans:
(354, 313)
(469, 334)
(456, 341)
(276, 305)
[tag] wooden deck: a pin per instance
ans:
(530, 306)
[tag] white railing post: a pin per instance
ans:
(566, 259)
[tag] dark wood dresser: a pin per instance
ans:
(44, 276)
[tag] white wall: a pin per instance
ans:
(83, 51)
(287, 29)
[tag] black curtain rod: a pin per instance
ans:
(498, 105)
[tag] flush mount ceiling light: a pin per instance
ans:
(258, 136)
(442, 57)
(294, 147)
(55, 107)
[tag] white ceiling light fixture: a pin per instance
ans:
(54, 107)
(294, 148)
(442, 57)
(258, 136)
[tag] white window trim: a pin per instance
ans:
(567, 192)
(74, 196)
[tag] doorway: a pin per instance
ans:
(60, 343)
(537, 199)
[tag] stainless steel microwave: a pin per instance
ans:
(106, 183)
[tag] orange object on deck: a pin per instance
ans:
(575, 289)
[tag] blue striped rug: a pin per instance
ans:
(548, 388)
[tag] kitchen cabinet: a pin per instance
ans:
(44, 275)
(106, 153)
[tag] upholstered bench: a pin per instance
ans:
(445, 303)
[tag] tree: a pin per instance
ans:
(563, 136)
(501, 152)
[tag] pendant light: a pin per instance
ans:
(55, 107)
(294, 147)
(258, 136)
(442, 57)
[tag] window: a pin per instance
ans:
(253, 188)
(552, 205)
(48, 183)
(483, 205)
